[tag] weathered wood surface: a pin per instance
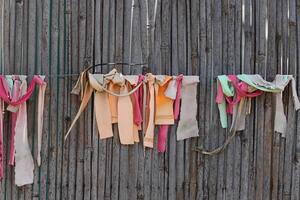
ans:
(203, 37)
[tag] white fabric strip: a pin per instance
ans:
(188, 125)
(24, 164)
(171, 90)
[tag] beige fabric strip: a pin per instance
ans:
(188, 125)
(87, 93)
(125, 118)
(280, 122)
(41, 100)
(149, 136)
(103, 115)
(24, 164)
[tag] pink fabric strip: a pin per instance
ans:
(14, 115)
(140, 92)
(138, 96)
(178, 97)
(1, 140)
(220, 94)
(162, 138)
(4, 90)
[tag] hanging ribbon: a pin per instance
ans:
(149, 135)
(173, 92)
(188, 125)
(24, 164)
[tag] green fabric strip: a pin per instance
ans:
(228, 91)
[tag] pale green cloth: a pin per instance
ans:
(228, 91)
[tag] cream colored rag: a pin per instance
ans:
(41, 100)
(102, 111)
(277, 87)
(188, 125)
(149, 136)
(24, 164)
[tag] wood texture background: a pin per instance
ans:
(204, 37)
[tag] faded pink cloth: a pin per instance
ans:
(163, 130)
(16, 100)
(14, 116)
(138, 102)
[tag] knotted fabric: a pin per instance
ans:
(277, 87)
(256, 85)
(233, 91)
(188, 125)
(14, 92)
(99, 84)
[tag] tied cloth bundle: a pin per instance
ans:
(14, 92)
(234, 95)
(137, 102)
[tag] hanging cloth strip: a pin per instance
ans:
(277, 86)
(1, 140)
(188, 125)
(149, 109)
(163, 110)
(173, 92)
(98, 83)
(24, 164)
(13, 90)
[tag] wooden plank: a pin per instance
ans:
(238, 142)
(295, 193)
(182, 61)
(53, 89)
(202, 99)
(291, 129)
(74, 102)
(61, 105)
(45, 63)
(83, 125)
(112, 163)
(99, 146)
(231, 69)
(31, 69)
(193, 69)
(88, 9)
